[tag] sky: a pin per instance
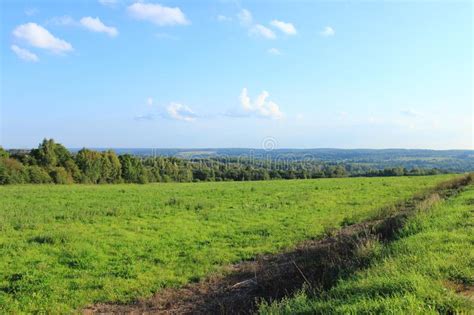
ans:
(233, 74)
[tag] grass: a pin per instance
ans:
(64, 247)
(429, 269)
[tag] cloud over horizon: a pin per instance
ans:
(260, 106)
(182, 112)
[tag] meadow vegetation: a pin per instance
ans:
(428, 269)
(66, 246)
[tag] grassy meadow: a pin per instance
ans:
(429, 269)
(66, 246)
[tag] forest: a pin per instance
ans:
(52, 162)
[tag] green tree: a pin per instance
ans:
(12, 172)
(38, 175)
(60, 175)
(3, 153)
(90, 164)
(132, 169)
(111, 168)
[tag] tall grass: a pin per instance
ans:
(429, 269)
(64, 247)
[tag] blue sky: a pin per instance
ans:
(233, 73)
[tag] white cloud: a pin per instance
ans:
(24, 54)
(245, 17)
(108, 2)
(285, 27)
(37, 36)
(328, 31)
(180, 112)
(260, 106)
(157, 14)
(245, 100)
(254, 29)
(149, 101)
(263, 31)
(96, 25)
(274, 51)
(223, 18)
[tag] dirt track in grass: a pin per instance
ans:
(316, 263)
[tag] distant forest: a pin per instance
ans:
(53, 163)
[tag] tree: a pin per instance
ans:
(38, 175)
(73, 170)
(90, 164)
(12, 172)
(45, 154)
(60, 175)
(3, 153)
(50, 154)
(132, 169)
(111, 168)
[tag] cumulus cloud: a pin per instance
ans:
(157, 14)
(180, 112)
(263, 31)
(260, 106)
(259, 30)
(328, 31)
(37, 36)
(274, 51)
(285, 27)
(24, 54)
(96, 25)
(245, 17)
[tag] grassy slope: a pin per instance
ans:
(419, 273)
(63, 247)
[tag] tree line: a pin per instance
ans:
(51, 162)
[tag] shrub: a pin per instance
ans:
(12, 172)
(38, 175)
(60, 175)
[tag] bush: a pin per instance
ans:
(60, 175)
(12, 172)
(38, 175)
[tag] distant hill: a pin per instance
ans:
(452, 160)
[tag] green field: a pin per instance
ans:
(429, 269)
(64, 247)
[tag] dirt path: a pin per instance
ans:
(316, 264)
